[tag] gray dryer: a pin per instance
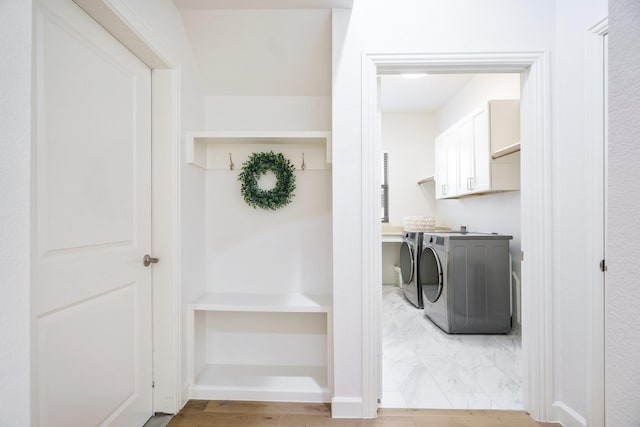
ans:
(465, 280)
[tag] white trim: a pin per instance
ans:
(371, 242)
(439, 63)
(165, 233)
(346, 407)
(123, 23)
(568, 417)
(537, 243)
(536, 209)
(594, 117)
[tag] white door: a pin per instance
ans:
(446, 174)
(91, 292)
(451, 144)
(441, 166)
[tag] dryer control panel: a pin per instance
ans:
(438, 240)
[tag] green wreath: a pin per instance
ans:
(257, 165)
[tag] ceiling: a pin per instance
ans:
(424, 95)
(262, 4)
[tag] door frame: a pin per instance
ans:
(536, 216)
(594, 117)
(130, 30)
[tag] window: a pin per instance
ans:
(385, 186)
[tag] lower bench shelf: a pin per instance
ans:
(260, 347)
(262, 383)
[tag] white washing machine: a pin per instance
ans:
(409, 258)
(465, 280)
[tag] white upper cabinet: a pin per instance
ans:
(464, 163)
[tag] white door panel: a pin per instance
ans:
(101, 324)
(92, 295)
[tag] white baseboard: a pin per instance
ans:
(346, 407)
(567, 416)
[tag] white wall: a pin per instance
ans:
(259, 251)
(282, 52)
(570, 199)
(622, 291)
(475, 94)
(15, 162)
(405, 26)
(490, 213)
(268, 113)
(409, 138)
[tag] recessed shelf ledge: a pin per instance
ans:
(274, 303)
(212, 150)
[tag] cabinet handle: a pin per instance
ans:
(444, 189)
(469, 186)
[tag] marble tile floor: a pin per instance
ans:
(423, 367)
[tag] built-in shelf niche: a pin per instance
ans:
(219, 150)
(264, 335)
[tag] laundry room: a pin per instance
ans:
(428, 194)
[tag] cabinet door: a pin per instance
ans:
(466, 164)
(441, 166)
(452, 164)
(482, 171)
(446, 164)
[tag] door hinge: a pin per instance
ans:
(153, 384)
(603, 266)
(521, 255)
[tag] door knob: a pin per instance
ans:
(148, 260)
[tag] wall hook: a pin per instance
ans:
(231, 165)
(303, 166)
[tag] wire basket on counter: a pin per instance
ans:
(418, 223)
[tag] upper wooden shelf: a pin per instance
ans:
(505, 151)
(218, 150)
(427, 179)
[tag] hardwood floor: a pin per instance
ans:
(203, 413)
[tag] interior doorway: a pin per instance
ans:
(475, 119)
(536, 208)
